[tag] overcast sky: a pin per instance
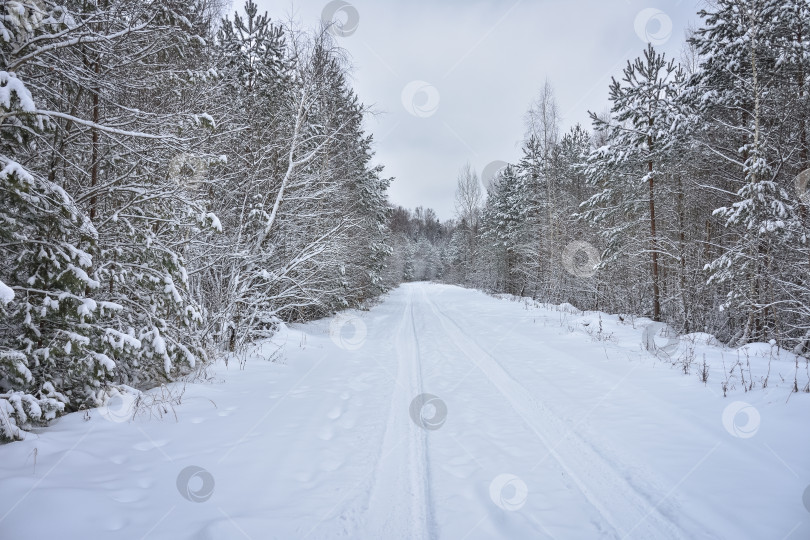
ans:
(452, 80)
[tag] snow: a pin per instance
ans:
(77, 338)
(112, 306)
(159, 345)
(215, 223)
(6, 293)
(85, 259)
(439, 413)
(158, 342)
(87, 307)
(204, 119)
(123, 339)
(18, 360)
(105, 361)
(170, 288)
(82, 276)
(11, 85)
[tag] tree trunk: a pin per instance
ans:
(654, 240)
(682, 254)
(94, 153)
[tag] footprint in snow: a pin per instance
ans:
(127, 496)
(115, 523)
(149, 445)
(348, 421)
(227, 411)
(326, 433)
(303, 476)
(145, 482)
(330, 463)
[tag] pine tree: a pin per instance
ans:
(752, 58)
(628, 169)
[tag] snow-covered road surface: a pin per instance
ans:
(447, 414)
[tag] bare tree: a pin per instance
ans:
(469, 200)
(469, 196)
(541, 139)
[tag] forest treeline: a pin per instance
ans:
(686, 202)
(175, 181)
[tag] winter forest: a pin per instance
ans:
(173, 184)
(686, 202)
(176, 180)
(210, 287)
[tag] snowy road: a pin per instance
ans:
(448, 414)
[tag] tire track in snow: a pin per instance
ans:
(399, 503)
(623, 508)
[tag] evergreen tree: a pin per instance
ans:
(627, 170)
(747, 81)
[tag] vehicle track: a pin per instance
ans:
(399, 502)
(622, 507)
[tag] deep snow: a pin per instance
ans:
(440, 413)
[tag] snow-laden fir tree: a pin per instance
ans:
(53, 327)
